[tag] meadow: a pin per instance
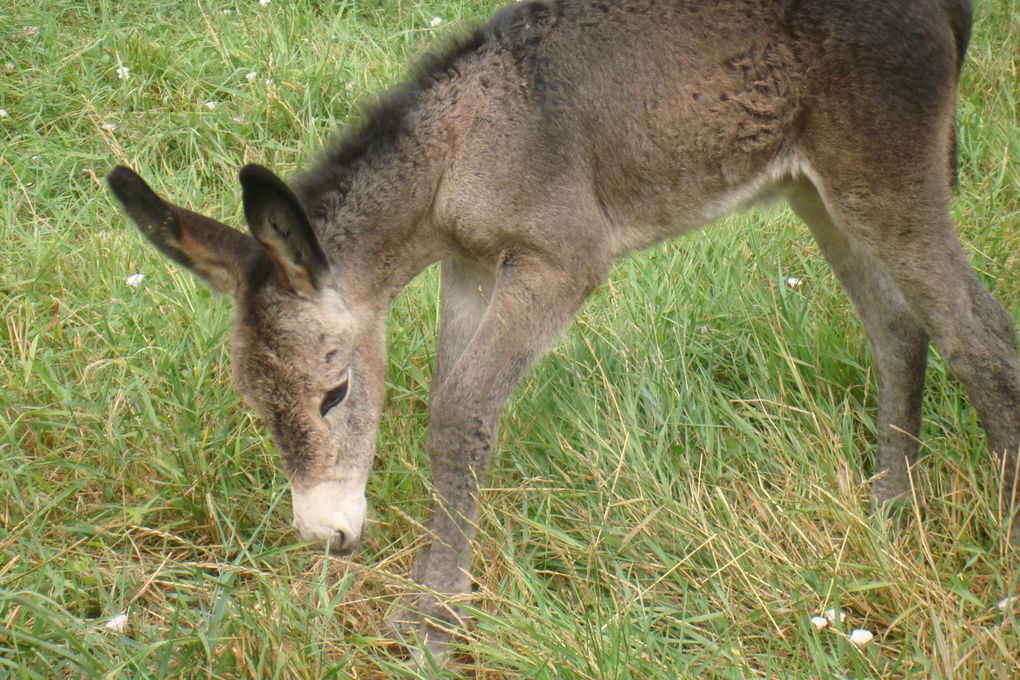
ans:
(679, 486)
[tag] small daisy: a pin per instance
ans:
(861, 637)
(109, 127)
(794, 281)
(250, 76)
(123, 72)
(9, 67)
(349, 86)
(436, 21)
(3, 113)
(118, 623)
(819, 622)
(211, 105)
(831, 615)
(264, 2)
(134, 281)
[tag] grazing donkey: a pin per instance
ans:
(527, 158)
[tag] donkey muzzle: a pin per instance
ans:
(330, 514)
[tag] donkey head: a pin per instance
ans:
(307, 360)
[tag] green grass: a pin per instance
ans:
(679, 486)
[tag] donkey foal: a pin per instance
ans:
(533, 153)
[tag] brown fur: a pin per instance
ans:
(561, 136)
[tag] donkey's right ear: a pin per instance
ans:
(208, 248)
(278, 221)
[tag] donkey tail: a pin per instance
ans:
(961, 17)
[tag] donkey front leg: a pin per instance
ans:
(531, 303)
(465, 291)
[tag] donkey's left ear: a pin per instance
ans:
(279, 223)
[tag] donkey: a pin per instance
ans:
(532, 153)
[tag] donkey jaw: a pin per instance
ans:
(331, 514)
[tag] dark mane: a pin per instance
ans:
(385, 119)
(386, 116)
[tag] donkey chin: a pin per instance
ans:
(330, 514)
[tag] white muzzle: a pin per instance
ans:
(331, 514)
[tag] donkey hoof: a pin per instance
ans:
(1014, 531)
(889, 504)
(887, 492)
(402, 622)
(432, 649)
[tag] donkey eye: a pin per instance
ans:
(335, 395)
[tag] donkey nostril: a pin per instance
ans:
(339, 543)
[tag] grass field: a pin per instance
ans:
(679, 486)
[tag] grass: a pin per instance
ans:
(679, 486)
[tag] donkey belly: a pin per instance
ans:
(628, 124)
(692, 118)
(631, 230)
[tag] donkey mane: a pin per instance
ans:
(383, 120)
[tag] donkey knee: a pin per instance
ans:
(994, 316)
(459, 438)
(453, 422)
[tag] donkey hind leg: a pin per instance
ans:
(899, 346)
(531, 303)
(910, 232)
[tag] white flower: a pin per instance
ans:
(123, 72)
(436, 21)
(793, 281)
(861, 637)
(3, 113)
(831, 614)
(109, 127)
(264, 2)
(349, 86)
(269, 81)
(134, 281)
(9, 66)
(210, 105)
(118, 623)
(820, 622)
(250, 76)
(1007, 601)
(228, 11)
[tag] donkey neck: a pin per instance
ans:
(370, 200)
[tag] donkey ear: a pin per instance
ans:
(279, 223)
(208, 248)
